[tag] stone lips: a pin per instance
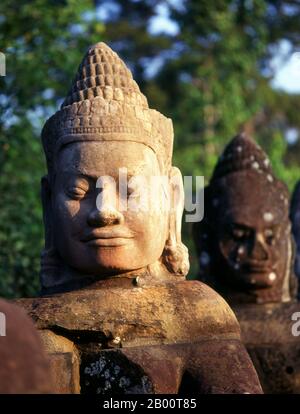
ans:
(105, 102)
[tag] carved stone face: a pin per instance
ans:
(100, 238)
(244, 242)
(105, 125)
(252, 236)
(253, 240)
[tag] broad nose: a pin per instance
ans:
(105, 212)
(260, 249)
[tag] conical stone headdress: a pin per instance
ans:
(242, 153)
(106, 104)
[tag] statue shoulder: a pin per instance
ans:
(206, 309)
(173, 312)
(281, 319)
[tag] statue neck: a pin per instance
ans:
(57, 277)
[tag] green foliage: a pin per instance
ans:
(42, 50)
(20, 222)
(214, 88)
(217, 87)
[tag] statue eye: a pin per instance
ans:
(240, 234)
(76, 192)
(77, 188)
(269, 235)
(133, 191)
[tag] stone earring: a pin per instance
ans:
(176, 258)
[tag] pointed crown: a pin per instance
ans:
(242, 153)
(106, 104)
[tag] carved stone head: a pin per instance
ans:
(95, 228)
(244, 243)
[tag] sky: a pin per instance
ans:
(286, 65)
(287, 69)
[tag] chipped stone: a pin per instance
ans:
(268, 216)
(272, 276)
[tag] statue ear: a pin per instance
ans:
(50, 261)
(175, 254)
(47, 210)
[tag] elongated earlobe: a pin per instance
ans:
(47, 207)
(50, 260)
(175, 255)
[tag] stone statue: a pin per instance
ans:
(295, 219)
(116, 303)
(245, 251)
(105, 124)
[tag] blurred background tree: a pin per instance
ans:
(207, 65)
(43, 42)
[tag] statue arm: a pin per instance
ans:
(221, 366)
